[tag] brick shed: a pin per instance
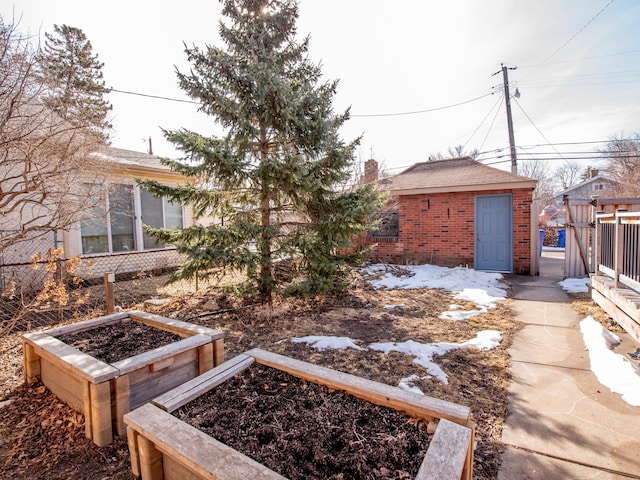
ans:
(456, 212)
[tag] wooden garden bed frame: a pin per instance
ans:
(105, 392)
(164, 447)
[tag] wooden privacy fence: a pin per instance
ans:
(616, 283)
(579, 254)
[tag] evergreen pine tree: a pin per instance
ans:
(75, 80)
(273, 181)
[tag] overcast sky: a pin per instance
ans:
(578, 69)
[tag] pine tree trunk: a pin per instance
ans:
(266, 274)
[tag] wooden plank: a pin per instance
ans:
(623, 298)
(447, 454)
(176, 326)
(617, 314)
(192, 389)
(101, 413)
(67, 388)
(69, 358)
(157, 354)
(156, 385)
(193, 449)
(87, 324)
(121, 402)
(375, 392)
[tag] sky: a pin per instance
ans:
(577, 70)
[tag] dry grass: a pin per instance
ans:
(478, 379)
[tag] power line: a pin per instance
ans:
(415, 112)
(594, 57)
(160, 97)
(495, 105)
(535, 126)
(577, 33)
(435, 109)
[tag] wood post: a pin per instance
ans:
(205, 358)
(150, 459)
(218, 351)
(121, 401)
(101, 413)
(110, 307)
(618, 251)
(31, 364)
(132, 440)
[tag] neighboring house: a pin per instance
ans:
(112, 235)
(456, 212)
(597, 185)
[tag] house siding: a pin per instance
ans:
(439, 229)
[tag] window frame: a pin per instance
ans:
(105, 219)
(395, 214)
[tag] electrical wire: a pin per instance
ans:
(577, 33)
(495, 105)
(534, 125)
(415, 112)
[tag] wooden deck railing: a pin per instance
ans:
(618, 245)
(616, 282)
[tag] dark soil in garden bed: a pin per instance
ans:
(111, 343)
(306, 431)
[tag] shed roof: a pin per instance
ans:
(453, 175)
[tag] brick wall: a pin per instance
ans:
(439, 229)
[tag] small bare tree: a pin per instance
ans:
(623, 164)
(568, 174)
(540, 171)
(45, 160)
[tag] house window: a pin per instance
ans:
(110, 226)
(388, 224)
(158, 213)
(114, 220)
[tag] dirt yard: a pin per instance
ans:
(41, 437)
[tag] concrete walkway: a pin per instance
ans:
(562, 423)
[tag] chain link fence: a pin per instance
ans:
(39, 287)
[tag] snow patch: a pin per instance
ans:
(326, 343)
(424, 352)
(576, 285)
(613, 371)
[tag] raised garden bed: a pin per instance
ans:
(105, 389)
(165, 446)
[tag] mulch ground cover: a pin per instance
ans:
(302, 430)
(114, 342)
(41, 437)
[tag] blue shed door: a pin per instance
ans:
(494, 233)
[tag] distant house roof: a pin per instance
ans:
(453, 175)
(136, 164)
(131, 158)
(579, 186)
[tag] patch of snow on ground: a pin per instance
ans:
(406, 384)
(482, 288)
(424, 352)
(576, 285)
(326, 343)
(612, 370)
(393, 307)
(458, 315)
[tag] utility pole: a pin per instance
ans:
(507, 99)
